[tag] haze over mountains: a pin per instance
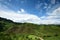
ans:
(10, 30)
(22, 16)
(29, 19)
(31, 11)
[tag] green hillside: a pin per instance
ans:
(10, 30)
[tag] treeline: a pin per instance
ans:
(10, 30)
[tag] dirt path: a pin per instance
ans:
(41, 38)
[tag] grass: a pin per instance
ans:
(27, 31)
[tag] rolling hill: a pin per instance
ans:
(10, 30)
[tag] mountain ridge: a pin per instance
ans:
(26, 31)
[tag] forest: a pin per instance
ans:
(10, 30)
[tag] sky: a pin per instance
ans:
(31, 11)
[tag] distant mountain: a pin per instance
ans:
(10, 30)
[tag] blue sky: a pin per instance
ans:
(41, 10)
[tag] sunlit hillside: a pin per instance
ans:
(10, 30)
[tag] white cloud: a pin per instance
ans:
(21, 11)
(16, 17)
(38, 6)
(9, 0)
(25, 17)
(52, 18)
(19, 16)
(23, 1)
(22, 16)
(55, 14)
(53, 1)
(1, 0)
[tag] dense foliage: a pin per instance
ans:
(27, 31)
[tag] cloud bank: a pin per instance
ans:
(22, 16)
(52, 18)
(19, 16)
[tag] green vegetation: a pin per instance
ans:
(10, 30)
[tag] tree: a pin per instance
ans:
(1, 27)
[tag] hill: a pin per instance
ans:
(10, 30)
